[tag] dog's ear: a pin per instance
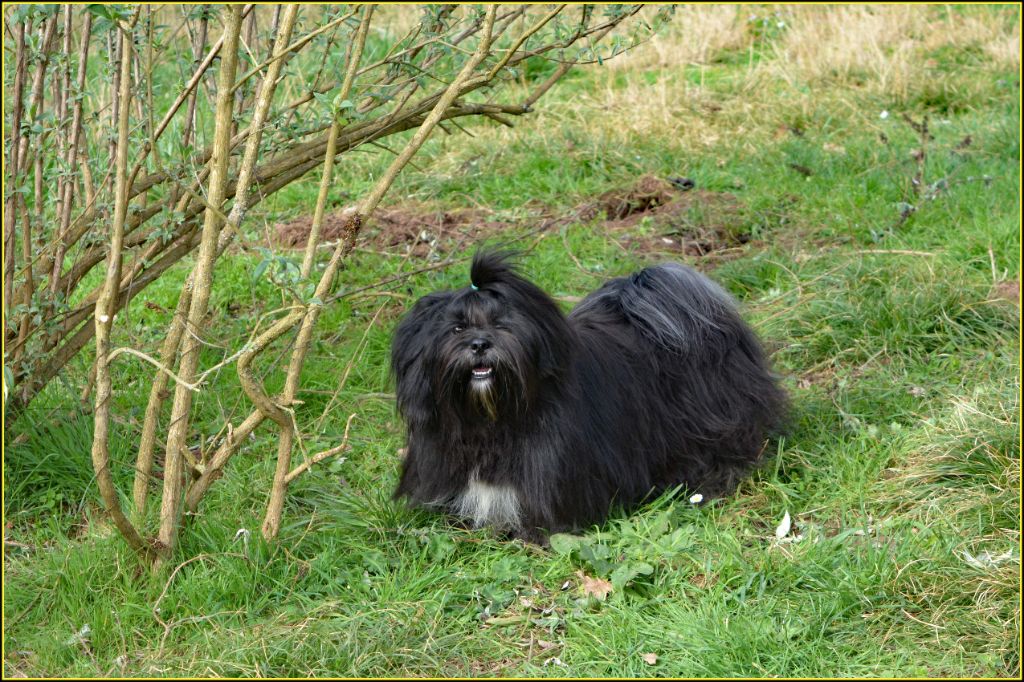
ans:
(412, 356)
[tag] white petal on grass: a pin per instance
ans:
(985, 560)
(884, 114)
(782, 530)
(82, 635)
(244, 534)
(696, 499)
(789, 539)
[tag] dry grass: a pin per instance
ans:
(808, 43)
(962, 464)
(879, 46)
(697, 34)
(817, 54)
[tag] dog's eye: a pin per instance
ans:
(458, 329)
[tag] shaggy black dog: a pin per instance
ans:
(535, 422)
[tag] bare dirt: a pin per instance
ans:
(658, 216)
(651, 217)
(1008, 291)
(414, 225)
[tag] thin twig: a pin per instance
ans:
(348, 368)
(155, 363)
(319, 457)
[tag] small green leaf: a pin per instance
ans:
(260, 269)
(375, 562)
(441, 548)
(625, 573)
(100, 11)
(563, 543)
(595, 552)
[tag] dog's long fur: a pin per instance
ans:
(652, 381)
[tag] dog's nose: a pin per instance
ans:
(479, 345)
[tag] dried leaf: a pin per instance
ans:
(594, 587)
(649, 659)
(783, 528)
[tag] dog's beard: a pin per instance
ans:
(482, 392)
(491, 385)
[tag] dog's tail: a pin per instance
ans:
(681, 310)
(721, 361)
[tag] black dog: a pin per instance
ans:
(532, 421)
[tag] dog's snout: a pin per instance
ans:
(479, 345)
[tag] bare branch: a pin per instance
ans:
(11, 201)
(203, 274)
(321, 456)
(275, 506)
(105, 315)
(68, 187)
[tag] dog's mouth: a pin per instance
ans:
(482, 373)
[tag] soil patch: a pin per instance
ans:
(653, 216)
(414, 225)
(672, 216)
(1009, 291)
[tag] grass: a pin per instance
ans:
(899, 339)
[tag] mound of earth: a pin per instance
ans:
(652, 216)
(655, 215)
(409, 224)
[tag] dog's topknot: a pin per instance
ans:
(490, 265)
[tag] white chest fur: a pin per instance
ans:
(488, 504)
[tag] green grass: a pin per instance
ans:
(901, 472)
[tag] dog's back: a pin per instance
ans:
(673, 306)
(683, 340)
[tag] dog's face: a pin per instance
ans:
(486, 356)
(479, 353)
